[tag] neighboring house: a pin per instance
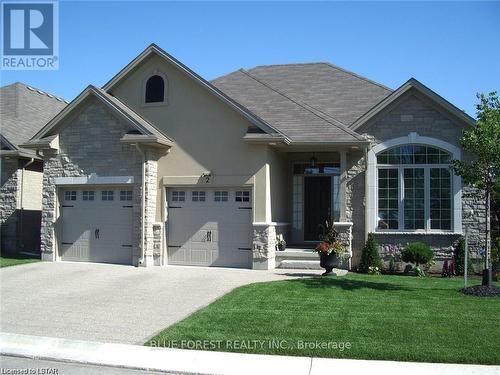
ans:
(225, 166)
(24, 110)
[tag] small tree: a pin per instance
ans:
(459, 256)
(370, 256)
(483, 172)
(418, 253)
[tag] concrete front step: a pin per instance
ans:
(297, 254)
(299, 264)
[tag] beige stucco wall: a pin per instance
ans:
(207, 134)
(280, 184)
(32, 189)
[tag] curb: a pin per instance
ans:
(207, 362)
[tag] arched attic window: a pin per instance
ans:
(155, 89)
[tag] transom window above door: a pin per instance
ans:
(318, 168)
(414, 189)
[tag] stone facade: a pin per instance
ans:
(264, 246)
(90, 144)
(157, 243)
(9, 200)
(411, 113)
(355, 201)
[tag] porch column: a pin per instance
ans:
(343, 181)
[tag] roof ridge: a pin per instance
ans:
(38, 91)
(289, 64)
(326, 117)
(333, 66)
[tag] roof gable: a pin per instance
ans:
(112, 103)
(154, 49)
(413, 84)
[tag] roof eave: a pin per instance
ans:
(18, 154)
(47, 143)
(149, 140)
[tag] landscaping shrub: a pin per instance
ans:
(459, 256)
(370, 256)
(418, 253)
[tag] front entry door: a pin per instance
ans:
(317, 205)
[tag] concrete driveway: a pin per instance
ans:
(111, 303)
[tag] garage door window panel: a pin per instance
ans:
(198, 196)
(178, 196)
(242, 196)
(70, 195)
(88, 195)
(107, 195)
(126, 195)
(221, 196)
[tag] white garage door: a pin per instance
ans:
(97, 225)
(210, 227)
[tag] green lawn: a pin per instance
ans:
(14, 260)
(382, 317)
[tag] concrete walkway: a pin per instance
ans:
(112, 303)
(204, 362)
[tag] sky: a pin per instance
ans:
(452, 47)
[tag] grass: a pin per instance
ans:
(16, 259)
(381, 317)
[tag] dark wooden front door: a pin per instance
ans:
(317, 205)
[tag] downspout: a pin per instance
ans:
(21, 226)
(143, 202)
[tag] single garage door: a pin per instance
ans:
(210, 227)
(97, 225)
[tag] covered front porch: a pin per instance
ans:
(312, 191)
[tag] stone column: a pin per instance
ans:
(151, 181)
(264, 246)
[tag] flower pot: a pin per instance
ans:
(327, 261)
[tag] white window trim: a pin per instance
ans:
(165, 89)
(371, 213)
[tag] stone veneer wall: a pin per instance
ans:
(355, 201)
(264, 247)
(157, 242)
(9, 201)
(91, 144)
(413, 113)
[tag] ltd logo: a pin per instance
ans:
(30, 35)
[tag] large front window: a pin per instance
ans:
(414, 188)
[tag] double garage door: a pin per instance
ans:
(96, 224)
(210, 227)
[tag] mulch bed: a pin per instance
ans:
(482, 291)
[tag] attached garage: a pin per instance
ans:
(96, 224)
(210, 227)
